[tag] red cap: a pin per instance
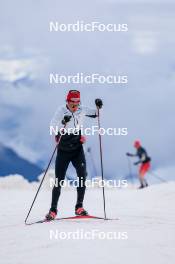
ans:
(73, 96)
(137, 144)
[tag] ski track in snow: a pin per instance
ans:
(146, 215)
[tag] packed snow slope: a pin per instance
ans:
(147, 217)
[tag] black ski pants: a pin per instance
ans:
(63, 159)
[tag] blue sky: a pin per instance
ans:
(28, 53)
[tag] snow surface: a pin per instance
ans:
(148, 217)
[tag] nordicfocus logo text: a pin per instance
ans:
(93, 183)
(81, 234)
(89, 131)
(81, 78)
(81, 26)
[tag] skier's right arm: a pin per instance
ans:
(131, 155)
(59, 121)
(60, 118)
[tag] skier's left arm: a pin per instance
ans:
(93, 113)
(90, 112)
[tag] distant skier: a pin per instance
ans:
(70, 148)
(144, 161)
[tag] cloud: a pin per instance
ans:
(145, 106)
(15, 69)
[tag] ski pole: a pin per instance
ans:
(130, 169)
(157, 176)
(43, 178)
(101, 161)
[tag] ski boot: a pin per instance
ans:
(51, 215)
(80, 211)
(141, 186)
(146, 184)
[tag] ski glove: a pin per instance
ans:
(66, 119)
(99, 103)
(130, 155)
